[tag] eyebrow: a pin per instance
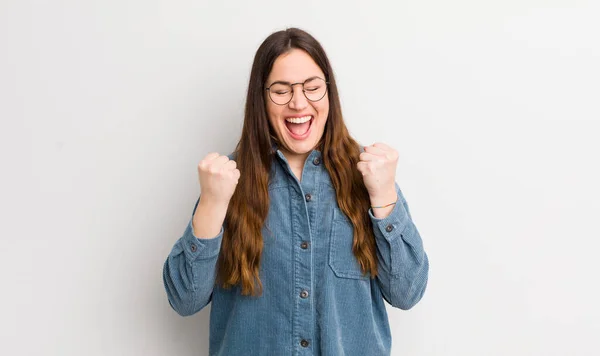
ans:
(288, 83)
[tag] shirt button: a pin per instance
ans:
(304, 343)
(304, 245)
(316, 161)
(308, 197)
(389, 228)
(304, 294)
(194, 248)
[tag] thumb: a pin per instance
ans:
(362, 167)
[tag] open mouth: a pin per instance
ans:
(299, 127)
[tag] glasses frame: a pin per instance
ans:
(303, 90)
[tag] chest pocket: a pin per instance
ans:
(341, 258)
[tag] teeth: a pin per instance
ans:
(298, 120)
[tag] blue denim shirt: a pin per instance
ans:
(315, 299)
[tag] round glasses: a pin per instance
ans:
(281, 93)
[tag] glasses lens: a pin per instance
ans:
(280, 93)
(315, 89)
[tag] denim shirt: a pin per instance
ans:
(315, 300)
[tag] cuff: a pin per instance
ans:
(196, 248)
(392, 225)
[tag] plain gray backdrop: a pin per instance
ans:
(107, 107)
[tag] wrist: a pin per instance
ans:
(209, 201)
(384, 198)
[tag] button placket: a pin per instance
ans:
(305, 218)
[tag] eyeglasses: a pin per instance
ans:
(281, 93)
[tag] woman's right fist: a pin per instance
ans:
(218, 177)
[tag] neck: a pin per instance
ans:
(296, 161)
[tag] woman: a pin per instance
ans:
(299, 234)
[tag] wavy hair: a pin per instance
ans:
(242, 244)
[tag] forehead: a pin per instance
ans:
(294, 66)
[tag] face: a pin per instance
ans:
(299, 124)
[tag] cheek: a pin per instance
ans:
(274, 114)
(323, 109)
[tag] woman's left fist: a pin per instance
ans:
(378, 167)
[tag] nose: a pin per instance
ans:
(299, 101)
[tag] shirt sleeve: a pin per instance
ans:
(189, 271)
(403, 265)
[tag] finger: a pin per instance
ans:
(216, 164)
(382, 146)
(363, 167)
(219, 162)
(211, 156)
(375, 150)
(230, 165)
(369, 157)
(206, 162)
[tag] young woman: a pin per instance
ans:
(301, 233)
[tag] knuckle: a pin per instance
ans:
(211, 155)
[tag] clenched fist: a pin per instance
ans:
(218, 177)
(378, 167)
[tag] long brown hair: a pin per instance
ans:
(242, 244)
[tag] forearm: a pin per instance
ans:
(208, 218)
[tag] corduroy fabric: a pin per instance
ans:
(315, 299)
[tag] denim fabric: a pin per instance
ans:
(315, 300)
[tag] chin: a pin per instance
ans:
(300, 148)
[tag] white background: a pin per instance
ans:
(108, 106)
